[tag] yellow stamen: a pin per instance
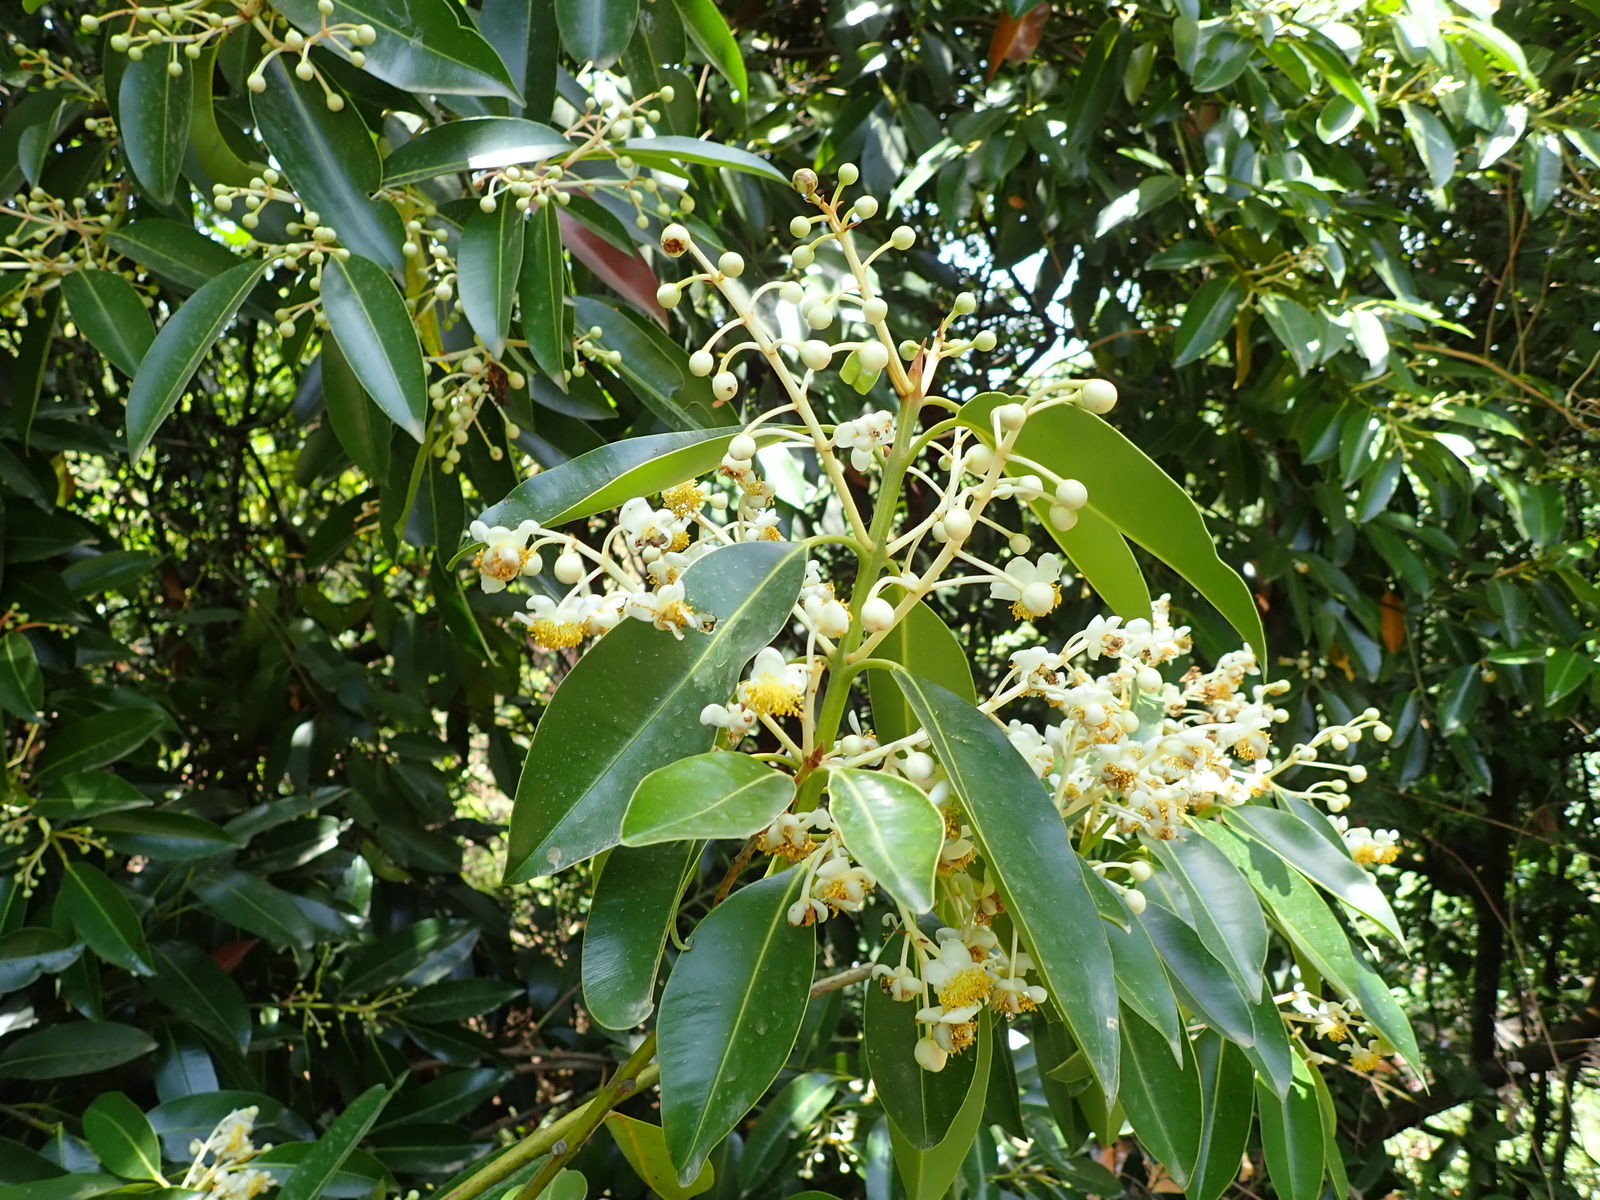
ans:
(556, 635)
(970, 985)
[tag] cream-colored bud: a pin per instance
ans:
(668, 295)
(874, 310)
(958, 524)
(1140, 870)
(866, 208)
(731, 264)
(930, 1055)
(848, 173)
(965, 303)
(725, 385)
(701, 363)
(877, 615)
(873, 356)
(1062, 518)
(1072, 493)
(816, 354)
(675, 241)
(978, 460)
(1098, 395)
(1010, 416)
(1136, 901)
(985, 341)
(742, 447)
(1020, 543)
(569, 568)
(819, 316)
(802, 257)
(903, 238)
(799, 227)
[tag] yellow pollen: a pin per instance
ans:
(556, 635)
(500, 567)
(1365, 1060)
(770, 534)
(680, 541)
(770, 696)
(683, 499)
(962, 1036)
(970, 985)
(677, 614)
(952, 823)
(1023, 614)
(1118, 777)
(1338, 1033)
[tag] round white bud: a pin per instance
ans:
(1038, 598)
(1011, 416)
(874, 310)
(1135, 901)
(803, 257)
(985, 341)
(675, 241)
(903, 238)
(1072, 493)
(877, 615)
(958, 524)
(866, 208)
(873, 356)
(917, 766)
(930, 1055)
(725, 385)
(742, 447)
(977, 460)
(799, 227)
(701, 363)
(1062, 517)
(791, 292)
(668, 295)
(1098, 395)
(816, 354)
(1140, 870)
(1020, 543)
(848, 173)
(819, 316)
(731, 264)
(569, 568)
(965, 302)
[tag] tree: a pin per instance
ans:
(294, 523)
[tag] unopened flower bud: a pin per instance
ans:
(799, 227)
(873, 356)
(675, 240)
(985, 341)
(1098, 395)
(1140, 870)
(1135, 900)
(805, 182)
(917, 766)
(1020, 543)
(848, 173)
(965, 303)
(877, 615)
(668, 295)
(874, 310)
(742, 447)
(802, 257)
(1010, 416)
(1062, 518)
(731, 264)
(958, 524)
(819, 316)
(569, 568)
(930, 1055)
(866, 208)
(725, 385)
(816, 354)
(903, 238)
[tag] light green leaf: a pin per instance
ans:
(422, 45)
(1128, 496)
(928, 1174)
(1332, 1144)
(542, 290)
(924, 645)
(73, 1048)
(722, 794)
(1435, 146)
(1226, 913)
(712, 37)
(730, 1014)
(1207, 319)
(368, 319)
(110, 314)
(1037, 871)
(1163, 1104)
(358, 423)
(656, 367)
(635, 904)
(322, 1162)
(892, 829)
(213, 153)
(489, 262)
(122, 1138)
(1316, 857)
(1338, 117)
(1513, 121)
(1227, 1105)
(922, 1105)
(1366, 330)
(184, 341)
(596, 31)
(1295, 328)
(633, 702)
(645, 1148)
(1291, 1137)
(1585, 141)
(668, 151)
(153, 110)
(1141, 979)
(473, 144)
(1500, 46)
(331, 163)
(21, 684)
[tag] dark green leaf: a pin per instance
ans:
(357, 422)
(596, 31)
(165, 836)
(668, 151)
(635, 905)
(122, 1138)
(1207, 319)
(928, 1174)
(447, 1098)
(715, 795)
(110, 314)
(460, 999)
(892, 829)
(633, 702)
(21, 684)
(413, 956)
(475, 144)
(192, 985)
(1163, 1104)
(73, 1048)
(656, 366)
(1141, 979)
(115, 570)
(368, 319)
(322, 1162)
(177, 253)
(712, 37)
(29, 952)
(785, 1123)
(176, 354)
(104, 918)
(255, 906)
(74, 798)
(1295, 328)
(1291, 1137)
(422, 45)
(1541, 171)
(331, 163)
(542, 292)
(1037, 871)
(1227, 1105)
(923, 1105)
(1202, 983)
(153, 108)
(1227, 914)
(730, 1013)
(1564, 672)
(489, 262)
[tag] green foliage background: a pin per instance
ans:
(1340, 260)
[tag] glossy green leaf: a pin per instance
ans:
(715, 795)
(1564, 673)
(208, 148)
(596, 31)
(26, 378)
(104, 918)
(1434, 144)
(611, 475)
(73, 1048)
(80, 796)
(21, 683)
(542, 294)
(1141, 979)
(461, 999)
(178, 253)
(153, 108)
(1136, 498)
(473, 144)
(1291, 1137)
(645, 1148)
(1201, 982)
(330, 162)
(922, 1105)
(927, 1174)
(193, 986)
(668, 151)
(165, 836)
(255, 906)
(122, 1137)
(1037, 871)
(422, 45)
(360, 425)
(184, 341)
(1163, 1103)
(368, 319)
(110, 314)
(655, 366)
(710, 33)
(489, 262)
(785, 1124)
(730, 1013)
(1297, 330)
(413, 956)
(1207, 319)
(1541, 171)
(634, 907)
(31, 951)
(1332, 1142)
(322, 1162)
(1226, 913)
(115, 570)
(924, 645)
(1227, 1109)
(633, 702)
(97, 740)
(892, 829)
(1314, 855)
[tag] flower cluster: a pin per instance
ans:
(227, 1176)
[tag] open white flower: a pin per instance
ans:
(1034, 588)
(505, 554)
(775, 687)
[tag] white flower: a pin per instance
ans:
(901, 983)
(1033, 587)
(865, 437)
(665, 609)
(557, 625)
(774, 688)
(505, 554)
